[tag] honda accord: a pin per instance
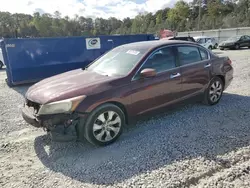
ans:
(129, 80)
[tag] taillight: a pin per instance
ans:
(229, 61)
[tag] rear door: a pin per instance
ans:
(244, 41)
(195, 68)
(152, 93)
(247, 41)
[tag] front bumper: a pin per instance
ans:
(226, 46)
(29, 117)
(47, 121)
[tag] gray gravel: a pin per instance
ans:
(192, 146)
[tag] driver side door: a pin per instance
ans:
(154, 92)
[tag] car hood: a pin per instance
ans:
(228, 41)
(66, 85)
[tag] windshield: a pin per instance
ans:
(200, 40)
(119, 61)
(233, 38)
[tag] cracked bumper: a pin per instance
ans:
(29, 117)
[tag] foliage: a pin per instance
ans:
(182, 17)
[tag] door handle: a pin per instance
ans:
(207, 65)
(175, 75)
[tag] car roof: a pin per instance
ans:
(202, 37)
(148, 45)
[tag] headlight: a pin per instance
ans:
(64, 106)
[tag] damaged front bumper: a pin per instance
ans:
(28, 116)
(49, 122)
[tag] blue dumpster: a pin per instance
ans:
(31, 60)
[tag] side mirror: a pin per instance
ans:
(146, 73)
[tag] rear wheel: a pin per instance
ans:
(210, 47)
(214, 91)
(216, 46)
(103, 126)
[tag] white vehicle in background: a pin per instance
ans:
(1, 59)
(208, 42)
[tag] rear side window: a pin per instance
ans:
(188, 54)
(204, 54)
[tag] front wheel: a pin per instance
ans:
(237, 46)
(103, 126)
(214, 91)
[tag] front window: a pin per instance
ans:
(247, 37)
(119, 61)
(161, 60)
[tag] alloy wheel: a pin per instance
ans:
(107, 126)
(215, 91)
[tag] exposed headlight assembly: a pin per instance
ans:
(64, 106)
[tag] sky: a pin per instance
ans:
(87, 8)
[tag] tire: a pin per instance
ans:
(210, 47)
(102, 128)
(211, 96)
(248, 46)
(221, 48)
(237, 47)
(216, 46)
(1, 64)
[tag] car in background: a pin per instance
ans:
(129, 80)
(208, 42)
(235, 42)
(191, 39)
(1, 59)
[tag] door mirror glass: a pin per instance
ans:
(146, 73)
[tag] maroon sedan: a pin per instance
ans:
(127, 81)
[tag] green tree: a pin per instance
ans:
(182, 17)
(177, 16)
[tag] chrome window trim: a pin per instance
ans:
(173, 45)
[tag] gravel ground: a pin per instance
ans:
(193, 146)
